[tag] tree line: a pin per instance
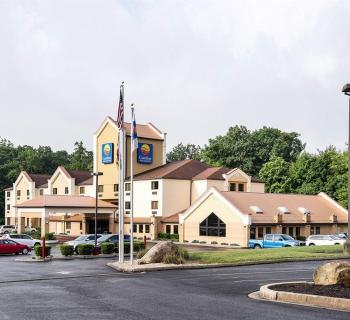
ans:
(278, 158)
(14, 159)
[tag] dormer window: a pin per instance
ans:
(256, 209)
(283, 210)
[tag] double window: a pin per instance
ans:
(127, 186)
(100, 188)
(82, 190)
(236, 186)
(212, 226)
(155, 185)
(154, 205)
(66, 190)
(116, 188)
(54, 191)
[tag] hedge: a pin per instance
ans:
(168, 236)
(38, 251)
(66, 250)
(138, 246)
(107, 248)
(85, 249)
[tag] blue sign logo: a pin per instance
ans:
(107, 153)
(145, 153)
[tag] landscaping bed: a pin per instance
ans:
(336, 291)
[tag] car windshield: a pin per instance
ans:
(335, 238)
(80, 238)
(286, 237)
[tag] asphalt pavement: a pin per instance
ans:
(88, 289)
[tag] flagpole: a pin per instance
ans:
(132, 187)
(121, 180)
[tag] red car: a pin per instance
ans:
(8, 246)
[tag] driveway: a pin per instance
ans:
(89, 290)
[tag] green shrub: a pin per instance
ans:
(50, 236)
(195, 241)
(85, 249)
(37, 233)
(185, 241)
(183, 253)
(234, 245)
(174, 237)
(202, 242)
(38, 251)
(107, 248)
(140, 238)
(300, 238)
(141, 253)
(213, 242)
(224, 244)
(66, 250)
(138, 246)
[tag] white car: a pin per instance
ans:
(83, 239)
(23, 239)
(322, 240)
(7, 228)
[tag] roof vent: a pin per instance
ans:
(256, 209)
(304, 210)
(283, 210)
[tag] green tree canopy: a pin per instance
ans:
(182, 152)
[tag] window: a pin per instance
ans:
(260, 232)
(154, 185)
(297, 231)
(127, 186)
(176, 229)
(100, 188)
(269, 237)
(284, 230)
(66, 190)
(134, 228)
(212, 226)
(81, 226)
(241, 187)
(168, 228)
(268, 230)
(252, 233)
(18, 193)
(291, 231)
(8, 194)
(154, 205)
(147, 228)
(140, 228)
(68, 225)
(232, 187)
(116, 188)
(41, 192)
(28, 193)
(28, 220)
(54, 191)
(82, 190)
(8, 207)
(315, 230)
(127, 205)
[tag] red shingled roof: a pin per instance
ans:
(39, 179)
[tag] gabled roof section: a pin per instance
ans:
(213, 173)
(81, 177)
(39, 179)
(182, 169)
(148, 130)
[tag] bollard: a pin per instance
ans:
(43, 247)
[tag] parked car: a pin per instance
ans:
(276, 240)
(7, 228)
(112, 238)
(87, 238)
(343, 235)
(322, 240)
(29, 229)
(23, 239)
(8, 246)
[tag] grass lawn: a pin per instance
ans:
(242, 256)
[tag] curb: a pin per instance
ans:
(158, 267)
(101, 256)
(304, 299)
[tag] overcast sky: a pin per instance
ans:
(193, 68)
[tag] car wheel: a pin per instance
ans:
(311, 244)
(257, 246)
(25, 251)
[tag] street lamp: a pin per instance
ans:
(346, 91)
(96, 174)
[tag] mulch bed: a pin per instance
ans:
(337, 291)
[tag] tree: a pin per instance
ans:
(182, 152)
(81, 158)
(275, 174)
(251, 150)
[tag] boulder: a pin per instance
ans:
(157, 252)
(331, 273)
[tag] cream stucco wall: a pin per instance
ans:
(176, 196)
(236, 231)
(23, 185)
(198, 188)
(257, 187)
(61, 181)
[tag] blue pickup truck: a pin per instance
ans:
(276, 240)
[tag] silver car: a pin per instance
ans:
(83, 239)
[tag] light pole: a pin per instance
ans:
(96, 174)
(346, 91)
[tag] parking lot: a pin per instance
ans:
(88, 289)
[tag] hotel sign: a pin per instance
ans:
(107, 153)
(145, 153)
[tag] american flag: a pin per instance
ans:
(120, 119)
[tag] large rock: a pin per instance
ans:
(333, 273)
(156, 253)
